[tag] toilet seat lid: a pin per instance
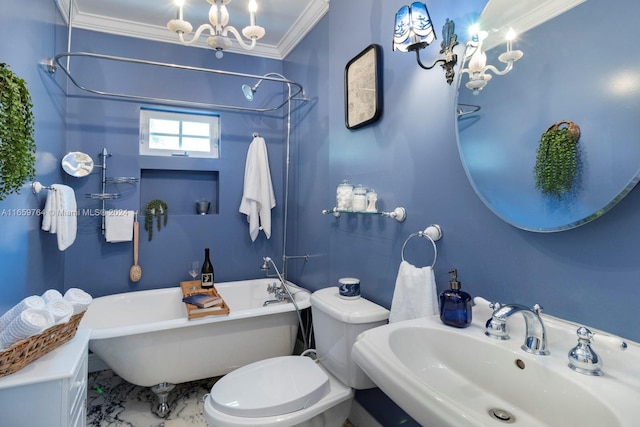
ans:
(270, 387)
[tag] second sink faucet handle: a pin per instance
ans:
(582, 358)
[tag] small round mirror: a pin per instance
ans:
(77, 164)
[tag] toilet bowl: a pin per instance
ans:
(297, 390)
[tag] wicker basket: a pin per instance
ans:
(26, 351)
(572, 128)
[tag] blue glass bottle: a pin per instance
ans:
(455, 305)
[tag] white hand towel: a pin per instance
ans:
(66, 215)
(49, 215)
(415, 293)
(118, 226)
(258, 198)
(34, 302)
(30, 322)
(50, 295)
(60, 309)
(78, 298)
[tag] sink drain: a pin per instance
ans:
(502, 415)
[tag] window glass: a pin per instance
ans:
(183, 133)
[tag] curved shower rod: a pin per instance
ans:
(53, 64)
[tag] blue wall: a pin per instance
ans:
(94, 123)
(30, 262)
(588, 275)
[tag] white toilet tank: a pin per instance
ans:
(337, 322)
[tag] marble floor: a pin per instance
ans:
(113, 402)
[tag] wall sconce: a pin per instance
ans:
(477, 70)
(413, 31)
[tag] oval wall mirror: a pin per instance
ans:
(77, 164)
(571, 71)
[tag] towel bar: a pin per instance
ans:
(432, 233)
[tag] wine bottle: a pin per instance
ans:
(207, 271)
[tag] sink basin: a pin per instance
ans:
(444, 376)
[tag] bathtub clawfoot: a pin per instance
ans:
(162, 390)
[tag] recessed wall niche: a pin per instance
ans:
(180, 189)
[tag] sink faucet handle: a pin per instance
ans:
(537, 309)
(582, 358)
(495, 306)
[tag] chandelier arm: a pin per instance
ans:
(239, 38)
(497, 72)
(197, 34)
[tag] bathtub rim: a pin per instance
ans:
(302, 296)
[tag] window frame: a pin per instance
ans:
(213, 119)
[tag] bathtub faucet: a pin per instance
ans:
(280, 293)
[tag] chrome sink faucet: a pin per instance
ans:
(535, 340)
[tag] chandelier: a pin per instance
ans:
(478, 68)
(218, 29)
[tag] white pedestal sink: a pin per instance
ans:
(449, 377)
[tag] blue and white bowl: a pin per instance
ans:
(349, 287)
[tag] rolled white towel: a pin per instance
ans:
(34, 301)
(30, 322)
(50, 295)
(78, 298)
(61, 309)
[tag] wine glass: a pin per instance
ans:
(194, 270)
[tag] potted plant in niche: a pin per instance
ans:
(155, 209)
(556, 165)
(17, 146)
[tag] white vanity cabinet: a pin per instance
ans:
(51, 391)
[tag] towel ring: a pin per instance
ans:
(427, 234)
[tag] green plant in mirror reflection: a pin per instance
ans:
(556, 165)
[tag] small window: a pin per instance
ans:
(179, 133)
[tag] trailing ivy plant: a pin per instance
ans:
(17, 146)
(155, 209)
(556, 165)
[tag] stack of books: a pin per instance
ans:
(202, 302)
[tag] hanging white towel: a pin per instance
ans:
(118, 226)
(258, 198)
(60, 215)
(67, 216)
(415, 293)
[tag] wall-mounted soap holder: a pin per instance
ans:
(399, 213)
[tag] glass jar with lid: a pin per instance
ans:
(359, 202)
(372, 198)
(344, 196)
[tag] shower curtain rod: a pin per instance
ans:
(54, 63)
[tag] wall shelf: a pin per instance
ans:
(103, 195)
(399, 213)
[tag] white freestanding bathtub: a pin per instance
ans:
(146, 338)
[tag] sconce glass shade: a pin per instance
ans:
(413, 28)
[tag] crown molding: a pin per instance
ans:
(500, 15)
(122, 27)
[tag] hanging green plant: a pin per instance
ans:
(155, 209)
(17, 146)
(556, 165)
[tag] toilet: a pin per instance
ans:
(296, 390)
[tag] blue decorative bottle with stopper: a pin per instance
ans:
(455, 305)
